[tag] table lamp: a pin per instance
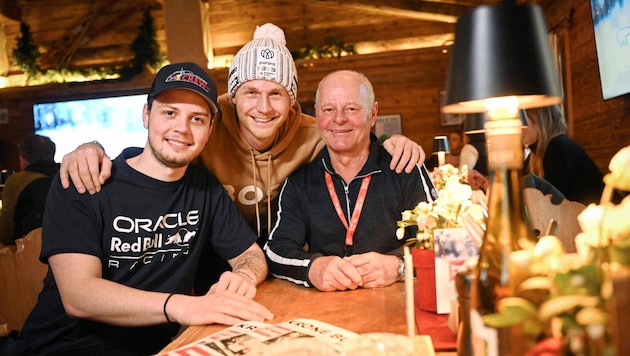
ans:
(501, 62)
(441, 148)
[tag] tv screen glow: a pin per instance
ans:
(115, 122)
(611, 22)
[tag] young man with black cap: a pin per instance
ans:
(122, 262)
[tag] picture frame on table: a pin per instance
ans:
(387, 125)
(449, 119)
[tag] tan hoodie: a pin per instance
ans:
(250, 176)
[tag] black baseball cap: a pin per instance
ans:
(185, 75)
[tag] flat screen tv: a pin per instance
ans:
(115, 122)
(611, 24)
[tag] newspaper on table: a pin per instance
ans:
(250, 338)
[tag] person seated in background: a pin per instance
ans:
(24, 193)
(122, 262)
(558, 159)
(336, 224)
(455, 144)
(474, 153)
(260, 136)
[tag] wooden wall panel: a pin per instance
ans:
(602, 127)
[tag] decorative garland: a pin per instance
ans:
(146, 50)
(325, 51)
(145, 47)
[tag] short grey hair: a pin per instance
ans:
(366, 91)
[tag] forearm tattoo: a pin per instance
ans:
(253, 261)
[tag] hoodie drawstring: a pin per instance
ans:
(251, 153)
(268, 194)
(269, 160)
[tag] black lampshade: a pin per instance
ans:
(440, 144)
(476, 123)
(501, 50)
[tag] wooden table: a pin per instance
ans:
(360, 311)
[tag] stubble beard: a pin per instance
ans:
(165, 160)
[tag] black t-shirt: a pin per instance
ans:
(149, 235)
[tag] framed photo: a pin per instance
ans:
(387, 125)
(4, 116)
(449, 119)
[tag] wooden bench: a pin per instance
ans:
(541, 210)
(21, 280)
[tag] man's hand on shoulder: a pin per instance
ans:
(406, 154)
(88, 166)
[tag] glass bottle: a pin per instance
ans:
(507, 231)
(463, 281)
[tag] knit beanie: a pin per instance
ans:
(265, 57)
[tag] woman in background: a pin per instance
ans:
(558, 159)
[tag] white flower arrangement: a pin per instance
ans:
(455, 199)
(608, 225)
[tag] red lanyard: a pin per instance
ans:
(357, 207)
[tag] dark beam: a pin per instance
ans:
(10, 10)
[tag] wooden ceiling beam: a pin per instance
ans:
(419, 10)
(10, 11)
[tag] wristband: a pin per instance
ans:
(164, 308)
(248, 276)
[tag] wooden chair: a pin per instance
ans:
(541, 210)
(21, 280)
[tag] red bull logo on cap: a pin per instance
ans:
(184, 75)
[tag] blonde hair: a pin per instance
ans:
(548, 122)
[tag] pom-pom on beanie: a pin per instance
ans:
(265, 57)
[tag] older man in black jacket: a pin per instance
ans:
(336, 226)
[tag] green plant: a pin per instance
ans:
(26, 53)
(146, 49)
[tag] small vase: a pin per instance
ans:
(436, 270)
(424, 266)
